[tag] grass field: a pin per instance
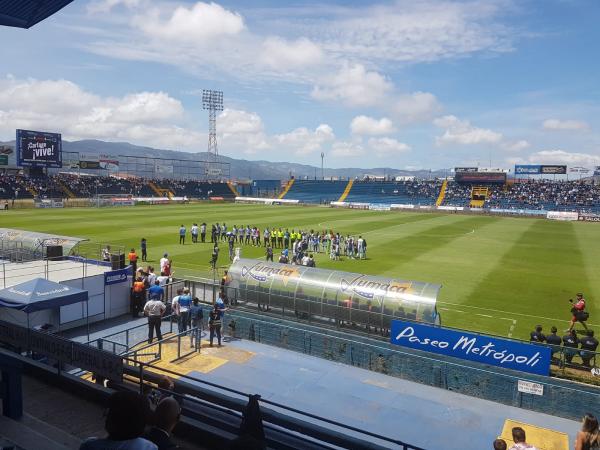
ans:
(500, 275)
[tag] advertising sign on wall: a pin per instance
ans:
(528, 169)
(554, 170)
(494, 351)
(117, 276)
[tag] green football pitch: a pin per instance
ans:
(500, 275)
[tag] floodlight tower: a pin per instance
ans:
(213, 102)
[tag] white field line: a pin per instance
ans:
(483, 315)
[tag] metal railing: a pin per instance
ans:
(123, 341)
(154, 350)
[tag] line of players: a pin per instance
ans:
(319, 242)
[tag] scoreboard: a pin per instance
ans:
(39, 149)
(480, 177)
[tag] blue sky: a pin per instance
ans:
(408, 84)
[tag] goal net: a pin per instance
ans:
(103, 200)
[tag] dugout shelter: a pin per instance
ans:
(333, 294)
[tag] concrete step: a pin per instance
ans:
(23, 436)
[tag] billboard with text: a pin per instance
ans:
(531, 358)
(540, 169)
(39, 149)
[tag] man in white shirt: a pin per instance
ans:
(194, 231)
(164, 261)
(154, 310)
(151, 276)
(361, 247)
(162, 280)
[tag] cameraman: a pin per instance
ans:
(579, 313)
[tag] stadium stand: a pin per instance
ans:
(75, 186)
(408, 192)
(547, 195)
(316, 191)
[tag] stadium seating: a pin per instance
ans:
(534, 195)
(407, 192)
(316, 191)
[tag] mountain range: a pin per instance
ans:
(240, 169)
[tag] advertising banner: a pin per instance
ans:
(465, 169)
(562, 215)
(89, 161)
(554, 170)
(528, 169)
(579, 170)
(109, 162)
(589, 217)
(39, 149)
(530, 358)
(117, 276)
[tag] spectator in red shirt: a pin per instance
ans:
(579, 313)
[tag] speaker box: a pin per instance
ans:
(54, 252)
(117, 261)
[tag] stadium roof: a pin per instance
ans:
(26, 13)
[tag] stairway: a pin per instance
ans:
(233, 189)
(63, 187)
(155, 188)
(478, 196)
(287, 188)
(442, 194)
(160, 191)
(32, 191)
(347, 190)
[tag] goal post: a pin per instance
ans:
(104, 200)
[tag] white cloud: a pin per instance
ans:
(105, 6)
(409, 31)
(365, 125)
(571, 125)
(346, 149)
(564, 157)
(242, 131)
(386, 146)
(303, 141)
(354, 85)
(463, 133)
(282, 55)
(63, 106)
(516, 146)
(193, 25)
(415, 107)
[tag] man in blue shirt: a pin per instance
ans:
(182, 232)
(156, 292)
(183, 310)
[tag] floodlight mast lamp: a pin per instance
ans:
(213, 102)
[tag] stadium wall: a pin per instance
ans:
(560, 398)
